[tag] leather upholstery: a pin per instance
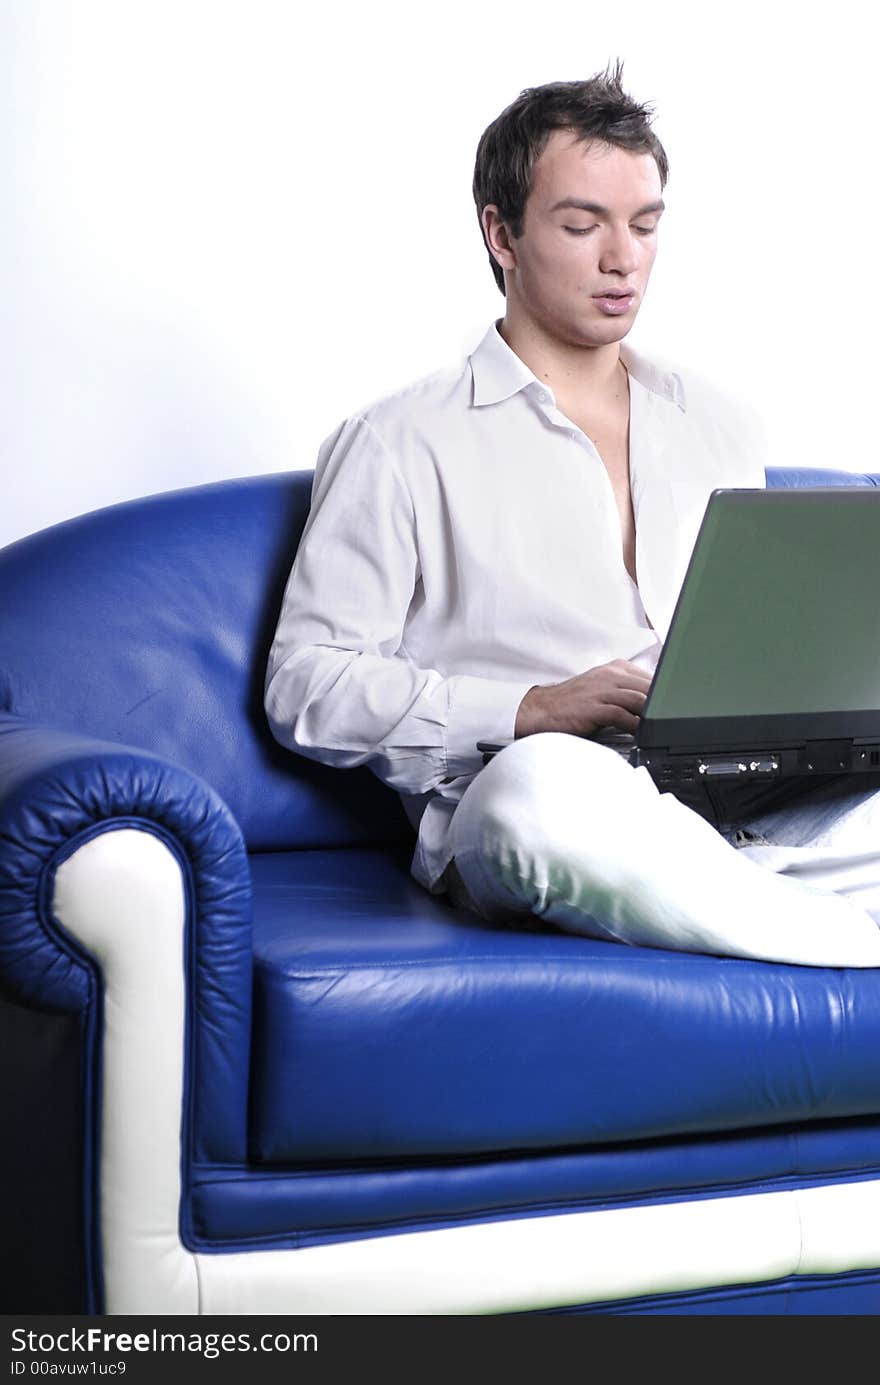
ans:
(239, 1207)
(469, 1021)
(149, 623)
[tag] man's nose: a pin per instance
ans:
(618, 252)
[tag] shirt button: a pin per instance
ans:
(542, 397)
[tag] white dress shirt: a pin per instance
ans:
(463, 545)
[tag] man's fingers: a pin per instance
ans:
(621, 719)
(632, 699)
(623, 666)
(639, 680)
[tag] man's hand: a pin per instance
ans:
(610, 695)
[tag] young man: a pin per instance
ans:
(495, 553)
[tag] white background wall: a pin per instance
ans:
(227, 223)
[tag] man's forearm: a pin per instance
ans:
(415, 727)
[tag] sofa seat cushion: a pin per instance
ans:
(388, 1025)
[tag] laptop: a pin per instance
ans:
(771, 667)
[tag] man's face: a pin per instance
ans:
(589, 240)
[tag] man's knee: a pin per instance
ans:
(551, 767)
(557, 758)
(535, 791)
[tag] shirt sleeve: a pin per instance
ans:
(338, 687)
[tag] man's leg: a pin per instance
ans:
(828, 837)
(563, 828)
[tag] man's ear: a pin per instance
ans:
(498, 237)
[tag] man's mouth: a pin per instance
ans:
(615, 301)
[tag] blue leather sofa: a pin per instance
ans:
(248, 1066)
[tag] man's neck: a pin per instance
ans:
(592, 374)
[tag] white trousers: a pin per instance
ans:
(563, 828)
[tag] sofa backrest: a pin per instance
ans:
(149, 623)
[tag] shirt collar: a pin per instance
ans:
(499, 373)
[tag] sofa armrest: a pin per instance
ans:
(59, 790)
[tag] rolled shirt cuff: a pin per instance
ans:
(480, 709)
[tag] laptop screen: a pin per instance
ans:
(780, 610)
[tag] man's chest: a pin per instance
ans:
(519, 518)
(609, 434)
(530, 524)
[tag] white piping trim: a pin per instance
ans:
(121, 894)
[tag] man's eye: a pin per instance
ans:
(645, 230)
(579, 230)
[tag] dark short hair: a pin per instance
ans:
(595, 109)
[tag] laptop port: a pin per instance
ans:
(724, 766)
